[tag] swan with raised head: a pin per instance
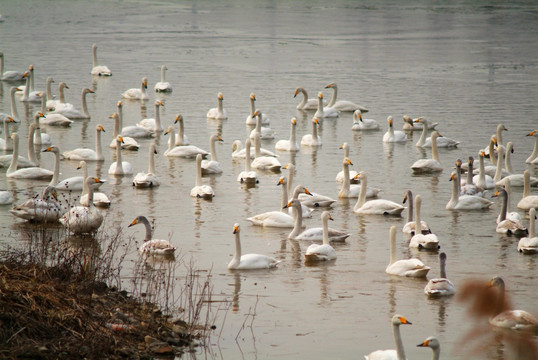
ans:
(375, 206)
(69, 111)
(152, 246)
(44, 208)
(34, 172)
(428, 241)
(297, 192)
(186, 151)
(149, 179)
(6, 144)
(163, 85)
(76, 183)
(88, 154)
(218, 113)
(52, 118)
(137, 93)
(516, 180)
(129, 143)
(527, 201)
(39, 137)
(440, 286)
(56, 173)
(153, 124)
(251, 119)
(393, 354)
(533, 157)
(51, 103)
(200, 190)
(306, 103)
(325, 111)
(529, 244)
(291, 144)
(342, 105)
(482, 180)
(392, 136)
(29, 95)
(248, 176)
(238, 151)
(352, 191)
(120, 167)
(323, 252)
(404, 267)
(340, 176)
(409, 227)
(210, 167)
(505, 225)
(84, 219)
(9, 75)
(360, 124)
(249, 261)
(468, 187)
(181, 138)
(465, 202)
(312, 139)
(28, 78)
(32, 161)
(14, 114)
(100, 199)
(99, 70)
(499, 171)
(411, 124)
(261, 162)
(264, 131)
(433, 165)
(442, 141)
(512, 215)
(433, 344)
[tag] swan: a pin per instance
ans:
(433, 165)
(500, 160)
(405, 267)
(465, 202)
(312, 234)
(29, 95)
(323, 252)
(468, 187)
(88, 154)
(422, 241)
(249, 261)
(56, 173)
(39, 137)
(442, 141)
(42, 208)
(376, 206)
(363, 124)
(432, 343)
(149, 179)
(440, 286)
(69, 111)
(28, 172)
(76, 183)
(251, 118)
(393, 135)
(342, 105)
(482, 180)
(100, 199)
(201, 191)
(529, 244)
(325, 112)
(6, 197)
(265, 132)
(181, 138)
(14, 114)
(120, 167)
(129, 143)
(260, 162)
(137, 93)
(28, 76)
(527, 201)
(312, 139)
(340, 176)
(510, 319)
(52, 118)
(352, 191)
(515, 180)
(511, 215)
(399, 353)
(135, 131)
(32, 161)
(5, 143)
(299, 190)
(153, 124)
(84, 219)
(248, 176)
(423, 135)
(10, 75)
(505, 225)
(186, 151)
(409, 227)
(291, 144)
(218, 113)
(100, 70)
(411, 124)
(238, 152)
(212, 166)
(306, 103)
(163, 85)
(151, 245)
(534, 155)
(50, 102)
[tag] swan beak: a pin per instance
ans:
(390, 122)
(135, 221)
(531, 133)
(111, 116)
(329, 86)
(41, 115)
(424, 344)
(121, 139)
(331, 218)
(458, 162)
(280, 181)
(316, 120)
(294, 121)
(452, 177)
(159, 103)
(25, 74)
(66, 86)
(119, 104)
(308, 192)
(296, 92)
(404, 199)
(91, 91)
(11, 119)
(496, 194)
(155, 151)
(320, 95)
(48, 149)
(236, 229)
(178, 118)
(220, 139)
(356, 177)
(288, 205)
(404, 321)
(102, 129)
(145, 84)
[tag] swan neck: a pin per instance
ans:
(15, 159)
(418, 226)
(84, 103)
(252, 107)
(526, 183)
(504, 206)
(481, 171)
(344, 191)
(410, 207)
(422, 139)
(534, 153)
(43, 105)
(117, 127)
(98, 152)
(257, 146)
(181, 130)
(333, 97)
(32, 80)
(6, 135)
(212, 149)
(119, 162)
(157, 118)
(15, 113)
(163, 69)
(470, 174)
(499, 134)
(31, 149)
(314, 130)
(293, 136)
(61, 92)
(399, 344)
(147, 225)
(90, 196)
(151, 168)
(498, 171)
(237, 255)
(85, 186)
(219, 106)
(199, 170)
(48, 89)
(284, 199)
(508, 161)
(325, 228)
(392, 246)
(291, 170)
(454, 198)
(532, 225)
(442, 264)
(320, 106)
(26, 91)
(94, 58)
(171, 140)
(362, 195)
(305, 98)
(56, 173)
(492, 156)
(247, 156)
(298, 221)
(435, 153)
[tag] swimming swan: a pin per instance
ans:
(404, 267)
(306, 103)
(392, 135)
(420, 240)
(88, 154)
(210, 167)
(249, 261)
(411, 124)
(84, 219)
(465, 202)
(186, 151)
(151, 245)
(360, 124)
(376, 206)
(399, 353)
(312, 139)
(505, 225)
(44, 208)
(442, 142)
(248, 176)
(153, 124)
(181, 138)
(137, 93)
(342, 105)
(440, 286)
(10, 75)
(529, 244)
(149, 179)
(129, 143)
(409, 227)
(163, 85)
(120, 167)
(100, 199)
(99, 70)
(199, 190)
(325, 112)
(340, 176)
(251, 119)
(28, 172)
(527, 201)
(265, 131)
(69, 111)
(323, 252)
(261, 162)
(291, 144)
(532, 159)
(433, 165)
(218, 113)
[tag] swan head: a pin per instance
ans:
(114, 116)
(88, 91)
(452, 177)
(159, 103)
(282, 181)
(236, 228)
(501, 127)
(435, 135)
(482, 154)
(295, 203)
(119, 104)
(320, 95)
(119, 139)
(10, 119)
(252, 97)
(344, 145)
(326, 215)
(458, 163)
(356, 177)
(38, 115)
(294, 121)
(407, 196)
(53, 149)
(220, 96)
(257, 113)
(347, 161)
(135, 221)
(145, 82)
(81, 164)
(389, 119)
(408, 119)
(316, 120)
(169, 130)
(31, 68)
(179, 118)
(470, 161)
(331, 85)
(296, 92)
(399, 320)
(26, 74)
(99, 128)
(430, 342)
(90, 180)
(496, 282)
(362, 175)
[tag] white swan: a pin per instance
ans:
(442, 141)
(218, 113)
(312, 139)
(465, 202)
(323, 111)
(433, 165)
(251, 119)
(510, 319)
(432, 343)
(515, 180)
(199, 190)
(14, 113)
(52, 118)
(532, 159)
(6, 197)
(44, 208)
(498, 140)
(186, 151)
(56, 172)
(28, 95)
(323, 252)
(88, 154)
(181, 138)
(527, 201)
(264, 131)
(84, 219)
(393, 135)
(342, 105)
(352, 191)
(163, 85)
(482, 180)
(306, 103)
(409, 227)
(422, 241)
(25, 173)
(135, 131)
(291, 144)
(99, 70)
(529, 244)
(5, 143)
(411, 124)
(399, 353)
(151, 245)
(297, 192)
(51, 103)
(500, 162)
(149, 179)
(129, 143)
(376, 206)
(137, 93)
(71, 112)
(440, 286)
(238, 152)
(153, 124)
(505, 225)
(75, 183)
(100, 199)
(261, 162)
(28, 78)
(340, 176)
(212, 166)
(120, 167)
(248, 176)
(468, 187)
(10, 75)
(511, 215)
(32, 161)
(360, 124)
(39, 137)
(404, 267)
(249, 261)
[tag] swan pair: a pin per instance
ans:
(152, 246)
(325, 112)
(465, 202)
(309, 198)
(410, 226)
(340, 176)
(353, 191)
(84, 219)
(261, 162)
(249, 261)
(129, 143)
(264, 132)
(69, 110)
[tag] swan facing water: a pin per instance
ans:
(249, 261)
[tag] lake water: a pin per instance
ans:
(468, 66)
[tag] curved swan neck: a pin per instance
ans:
(305, 98)
(325, 227)
(84, 103)
(422, 139)
(48, 88)
(418, 203)
(507, 158)
(31, 149)
(61, 88)
(362, 194)
(534, 153)
(296, 207)
(398, 340)
(334, 96)
(491, 148)
(212, 149)
(392, 245)
(147, 225)
(198, 170)
(15, 159)
(526, 183)
(435, 153)
(499, 134)
(500, 160)
(15, 113)
(151, 167)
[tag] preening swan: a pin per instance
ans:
(248, 176)
(465, 202)
(40, 208)
(199, 190)
(120, 167)
(88, 154)
(291, 144)
(163, 85)
(340, 175)
(433, 165)
(409, 227)
(28, 172)
(69, 111)
(399, 353)
(181, 138)
(363, 124)
(529, 244)
(151, 245)
(261, 162)
(440, 286)
(411, 124)
(306, 103)
(420, 240)
(249, 261)
(10, 75)
(137, 93)
(434, 344)
(508, 226)
(149, 179)
(376, 206)
(342, 105)
(186, 151)
(265, 132)
(128, 142)
(532, 159)
(527, 201)
(404, 267)
(325, 112)
(218, 113)
(84, 219)
(153, 124)
(312, 139)
(100, 70)
(212, 166)
(251, 119)
(323, 252)
(393, 135)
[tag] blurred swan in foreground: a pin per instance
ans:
(218, 113)
(99, 70)
(404, 267)
(137, 93)
(342, 105)
(323, 252)
(440, 286)
(398, 353)
(163, 85)
(529, 244)
(151, 245)
(249, 261)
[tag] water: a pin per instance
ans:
(467, 66)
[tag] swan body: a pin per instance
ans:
(265, 132)
(340, 176)
(210, 167)
(360, 124)
(420, 240)
(399, 352)
(10, 75)
(440, 286)
(510, 215)
(392, 136)
(149, 179)
(505, 225)
(260, 162)
(323, 252)
(181, 138)
(187, 151)
(199, 190)
(42, 208)
(84, 219)
(325, 112)
(218, 113)
(6, 197)
(442, 142)
(51, 103)
(163, 85)
(238, 152)
(316, 200)
(291, 144)
(312, 139)
(248, 176)
(129, 143)
(465, 202)
(532, 159)
(411, 124)
(352, 191)
(137, 93)
(249, 261)
(515, 180)
(279, 219)
(153, 124)
(432, 343)
(88, 154)
(69, 111)
(433, 165)
(529, 244)
(129, 133)
(342, 105)
(35, 172)
(99, 70)
(404, 267)
(376, 206)
(527, 201)
(120, 167)
(306, 103)
(306, 212)
(55, 119)
(409, 227)
(251, 119)
(99, 199)
(152, 246)
(423, 140)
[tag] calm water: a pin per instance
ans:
(466, 66)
